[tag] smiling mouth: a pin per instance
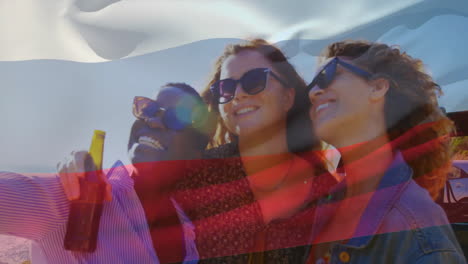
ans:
(245, 110)
(151, 142)
(320, 107)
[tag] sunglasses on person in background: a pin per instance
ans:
(325, 77)
(253, 82)
(174, 118)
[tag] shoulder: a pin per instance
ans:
(443, 256)
(220, 165)
(228, 150)
(416, 207)
(46, 184)
(416, 214)
(119, 177)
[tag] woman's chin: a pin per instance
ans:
(325, 131)
(248, 129)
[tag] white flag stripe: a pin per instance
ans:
(100, 30)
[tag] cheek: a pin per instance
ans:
(185, 145)
(282, 100)
(354, 101)
(224, 111)
(135, 128)
(358, 95)
(288, 99)
(177, 142)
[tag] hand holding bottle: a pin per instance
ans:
(85, 212)
(72, 169)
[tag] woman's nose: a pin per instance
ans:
(314, 93)
(239, 92)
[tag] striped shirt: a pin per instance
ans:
(36, 208)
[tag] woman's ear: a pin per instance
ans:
(288, 98)
(379, 88)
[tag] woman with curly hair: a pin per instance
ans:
(378, 107)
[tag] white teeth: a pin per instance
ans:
(245, 110)
(320, 107)
(144, 140)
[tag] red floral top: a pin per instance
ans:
(228, 221)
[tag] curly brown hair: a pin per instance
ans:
(413, 117)
(300, 135)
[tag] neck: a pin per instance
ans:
(358, 130)
(365, 164)
(264, 143)
(259, 155)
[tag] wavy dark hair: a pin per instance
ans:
(300, 135)
(411, 109)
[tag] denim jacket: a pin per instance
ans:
(401, 224)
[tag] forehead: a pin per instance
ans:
(173, 96)
(236, 65)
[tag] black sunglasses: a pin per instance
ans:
(325, 77)
(253, 82)
(176, 118)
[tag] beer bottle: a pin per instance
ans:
(85, 213)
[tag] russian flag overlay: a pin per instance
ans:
(69, 67)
